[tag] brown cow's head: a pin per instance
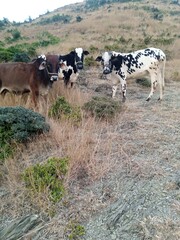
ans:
(52, 63)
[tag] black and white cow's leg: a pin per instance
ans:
(123, 88)
(160, 81)
(153, 76)
(114, 90)
(116, 80)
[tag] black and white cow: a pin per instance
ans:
(70, 65)
(122, 66)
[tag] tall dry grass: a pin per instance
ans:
(88, 153)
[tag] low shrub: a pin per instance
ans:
(61, 109)
(18, 124)
(47, 178)
(102, 107)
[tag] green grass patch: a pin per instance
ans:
(47, 178)
(61, 109)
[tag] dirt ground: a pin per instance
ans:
(139, 197)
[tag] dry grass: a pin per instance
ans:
(130, 145)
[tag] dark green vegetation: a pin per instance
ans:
(61, 109)
(24, 51)
(98, 3)
(18, 124)
(102, 107)
(47, 177)
(56, 18)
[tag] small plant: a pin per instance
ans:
(61, 109)
(74, 230)
(47, 178)
(102, 107)
(79, 18)
(89, 61)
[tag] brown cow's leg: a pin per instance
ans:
(35, 96)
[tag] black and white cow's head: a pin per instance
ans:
(65, 72)
(110, 61)
(71, 64)
(79, 57)
(106, 62)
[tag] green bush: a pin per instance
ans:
(102, 107)
(56, 18)
(79, 18)
(47, 177)
(61, 109)
(11, 53)
(18, 124)
(21, 57)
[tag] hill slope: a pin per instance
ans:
(124, 175)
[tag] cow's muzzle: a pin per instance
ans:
(53, 78)
(79, 65)
(106, 70)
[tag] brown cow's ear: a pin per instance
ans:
(42, 65)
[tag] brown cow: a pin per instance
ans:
(52, 64)
(19, 77)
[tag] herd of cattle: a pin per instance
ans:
(38, 75)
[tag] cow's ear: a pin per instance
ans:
(72, 52)
(42, 65)
(85, 52)
(98, 59)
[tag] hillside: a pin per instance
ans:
(123, 180)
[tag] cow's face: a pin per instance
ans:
(43, 64)
(65, 72)
(79, 57)
(52, 63)
(106, 62)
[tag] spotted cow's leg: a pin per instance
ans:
(159, 76)
(153, 75)
(116, 80)
(114, 90)
(123, 87)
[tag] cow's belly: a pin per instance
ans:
(15, 89)
(137, 74)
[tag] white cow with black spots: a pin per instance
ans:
(122, 66)
(71, 64)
